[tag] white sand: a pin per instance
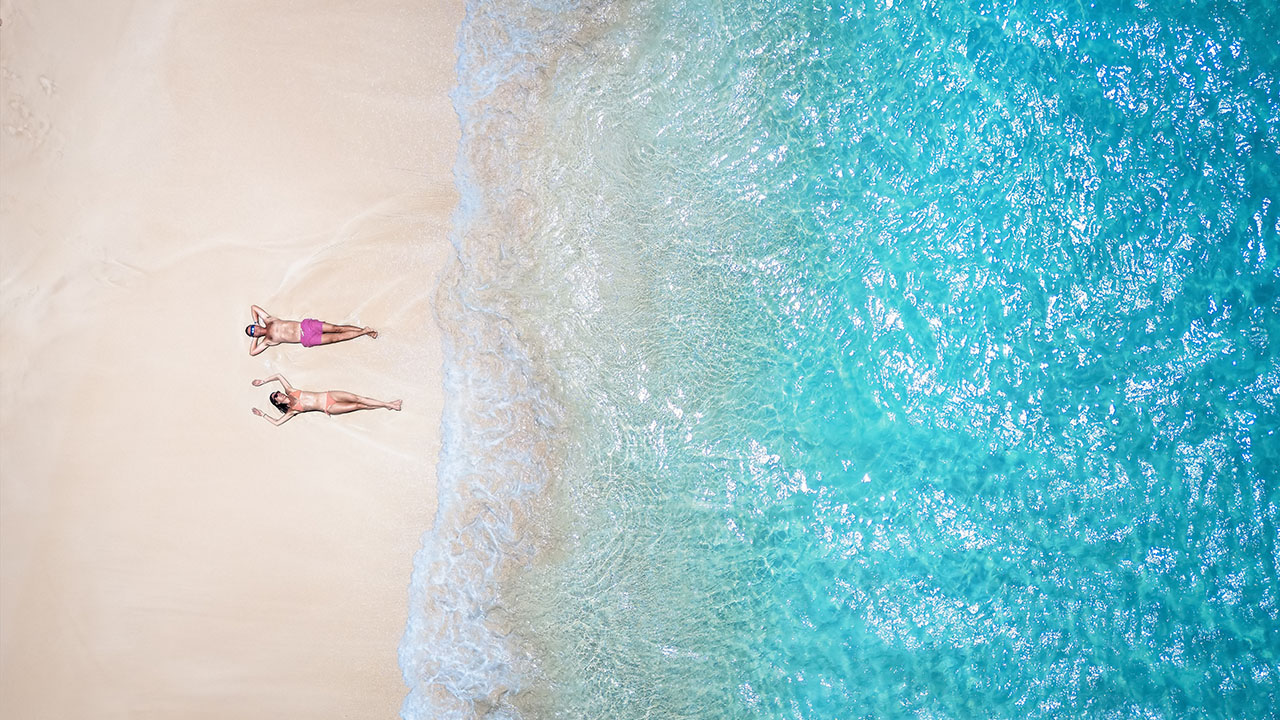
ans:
(163, 164)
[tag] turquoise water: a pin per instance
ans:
(861, 360)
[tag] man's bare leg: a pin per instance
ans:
(344, 332)
(329, 328)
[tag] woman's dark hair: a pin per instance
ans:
(248, 329)
(282, 405)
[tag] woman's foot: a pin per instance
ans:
(395, 404)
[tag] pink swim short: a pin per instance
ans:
(312, 332)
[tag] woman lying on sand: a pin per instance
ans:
(334, 402)
(267, 331)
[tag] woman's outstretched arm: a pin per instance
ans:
(275, 421)
(277, 378)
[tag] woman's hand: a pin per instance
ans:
(256, 383)
(257, 412)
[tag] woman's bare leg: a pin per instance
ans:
(342, 408)
(352, 402)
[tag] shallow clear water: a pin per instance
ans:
(860, 360)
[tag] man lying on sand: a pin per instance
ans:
(267, 331)
(334, 402)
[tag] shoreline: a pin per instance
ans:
(164, 551)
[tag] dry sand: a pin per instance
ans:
(163, 165)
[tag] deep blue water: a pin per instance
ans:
(860, 360)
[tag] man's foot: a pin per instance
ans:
(371, 333)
